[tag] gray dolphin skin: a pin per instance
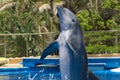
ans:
(73, 57)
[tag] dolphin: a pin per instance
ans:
(70, 44)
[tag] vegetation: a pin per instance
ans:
(37, 16)
(102, 17)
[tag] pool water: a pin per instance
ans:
(103, 68)
(29, 74)
(39, 75)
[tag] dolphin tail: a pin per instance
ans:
(92, 76)
(53, 47)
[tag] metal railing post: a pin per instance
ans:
(5, 46)
(116, 41)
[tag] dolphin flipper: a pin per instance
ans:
(74, 48)
(53, 47)
(91, 75)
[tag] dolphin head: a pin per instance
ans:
(67, 18)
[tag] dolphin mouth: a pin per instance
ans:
(60, 12)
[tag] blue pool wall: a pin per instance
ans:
(99, 62)
(31, 62)
(107, 62)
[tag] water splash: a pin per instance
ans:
(36, 74)
(19, 78)
(41, 74)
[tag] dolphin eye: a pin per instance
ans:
(73, 20)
